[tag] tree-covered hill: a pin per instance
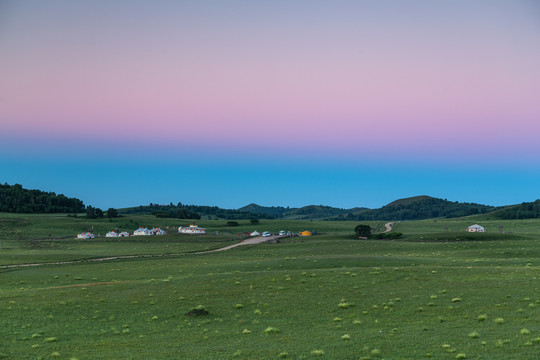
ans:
(273, 211)
(421, 207)
(414, 208)
(526, 210)
(182, 211)
(14, 198)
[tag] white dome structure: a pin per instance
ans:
(191, 229)
(157, 231)
(141, 231)
(86, 235)
(476, 228)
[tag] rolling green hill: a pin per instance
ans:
(526, 210)
(413, 208)
(13, 198)
(421, 207)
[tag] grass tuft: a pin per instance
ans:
(271, 330)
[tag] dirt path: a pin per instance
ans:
(389, 227)
(250, 241)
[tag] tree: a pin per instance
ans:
(232, 223)
(112, 213)
(90, 212)
(99, 213)
(362, 230)
(253, 221)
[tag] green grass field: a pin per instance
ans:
(438, 293)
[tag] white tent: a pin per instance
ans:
(476, 228)
(141, 231)
(157, 231)
(123, 234)
(255, 233)
(86, 235)
(111, 234)
(191, 229)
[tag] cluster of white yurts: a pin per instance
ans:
(142, 231)
(113, 234)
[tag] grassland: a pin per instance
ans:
(437, 293)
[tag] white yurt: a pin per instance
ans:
(191, 229)
(476, 228)
(86, 235)
(141, 231)
(111, 234)
(157, 231)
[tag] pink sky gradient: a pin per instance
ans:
(305, 74)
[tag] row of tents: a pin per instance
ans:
(192, 229)
(112, 234)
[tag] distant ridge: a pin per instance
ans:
(305, 212)
(422, 207)
(275, 211)
(526, 210)
(411, 208)
(409, 200)
(14, 198)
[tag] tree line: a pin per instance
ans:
(526, 210)
(16, 199)
(182, 211)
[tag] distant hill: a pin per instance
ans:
(318, 212)
(408, 201)
(526, 210)
(16, 199)
(413, 208)
(251, 211)
(306, 212)
(421, 207)
(182, 211)
(273, 211)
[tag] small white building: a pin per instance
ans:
(141, 231)
(111, 234)
(255, 233)
(476, 228)
(191, 229)
(86, 235)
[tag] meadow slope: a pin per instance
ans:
(329, 296)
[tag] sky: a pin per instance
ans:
(281, 103)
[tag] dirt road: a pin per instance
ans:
(388, 226)
(250, 241)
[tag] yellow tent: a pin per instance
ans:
(306, 233)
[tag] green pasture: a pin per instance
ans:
(431, 294)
